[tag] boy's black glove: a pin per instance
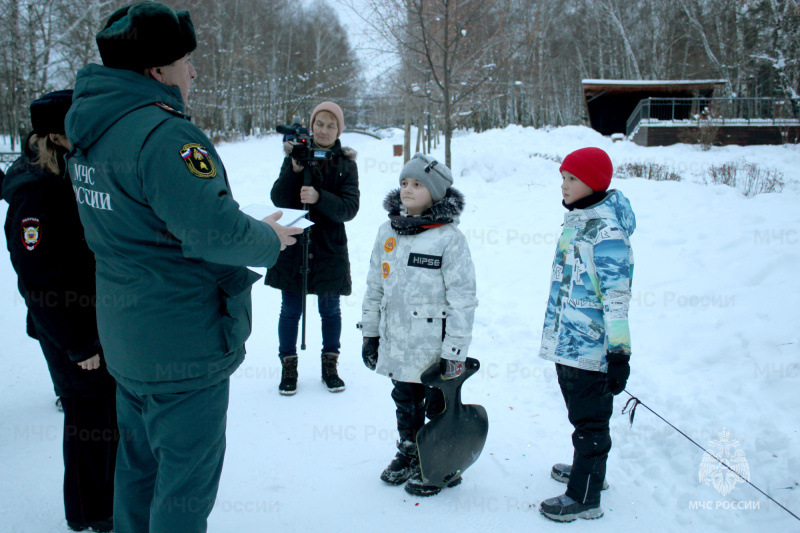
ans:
(369, 351)
(618, 371)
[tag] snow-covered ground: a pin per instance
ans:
(715, 336)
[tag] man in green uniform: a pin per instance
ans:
(173, 293)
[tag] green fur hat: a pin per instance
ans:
(144, 35)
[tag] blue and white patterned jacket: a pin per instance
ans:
(590, 291)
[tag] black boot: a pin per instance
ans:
(416, 486)
(403, 465)
(565, 509)
(560, 472)
(288, 384)
(329, 376)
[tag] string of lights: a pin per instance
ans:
(265, 96)
(304, 77)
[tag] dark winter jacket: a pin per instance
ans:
(338, 203)
(173, 296)
(55, 272)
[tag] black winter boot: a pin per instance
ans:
(416, 486)
(329, 376)
(403, 465)
(565, 509)
(560, 472)
(288, 384)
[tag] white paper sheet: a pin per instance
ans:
(291, 217)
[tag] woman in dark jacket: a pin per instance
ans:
(332, 199)
(55, 270)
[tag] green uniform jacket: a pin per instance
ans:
(173, 296)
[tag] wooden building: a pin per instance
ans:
(660, 113)
(609, 103)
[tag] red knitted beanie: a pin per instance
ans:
(590, 165)
(334, 110)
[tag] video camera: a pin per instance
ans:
(303, 150)
(291, 131)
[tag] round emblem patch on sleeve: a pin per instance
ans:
(31, 232)
(389, 245)
(385, 269)
(197, 159)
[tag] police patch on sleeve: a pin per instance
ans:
(31, 232)
(197, 159)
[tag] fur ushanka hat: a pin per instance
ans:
(144, 35)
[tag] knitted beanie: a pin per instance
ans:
(49, 111)
(144, 35)
(433, 174)
(590, 165)
(334, 110)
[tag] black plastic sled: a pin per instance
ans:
(453, 440)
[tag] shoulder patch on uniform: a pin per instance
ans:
(31, 232)
(389, 245)
(197, 159)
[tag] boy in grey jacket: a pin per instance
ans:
(419, 305)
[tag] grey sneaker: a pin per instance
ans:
(565, 509)
(560, 472)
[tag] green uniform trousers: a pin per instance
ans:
(169, 459)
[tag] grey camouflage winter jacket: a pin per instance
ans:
(420, 297)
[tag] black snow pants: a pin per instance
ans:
(414, 402)
(90, 437)
(589, 407)
(90, 453)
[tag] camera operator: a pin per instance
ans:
(332, 198)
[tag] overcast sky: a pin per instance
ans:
(362, 40)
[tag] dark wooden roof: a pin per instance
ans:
(609, 103)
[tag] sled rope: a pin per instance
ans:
(635, 402)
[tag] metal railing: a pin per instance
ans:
(717, 111)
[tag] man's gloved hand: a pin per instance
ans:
(369, 351)
(450, 368)
(618, 371)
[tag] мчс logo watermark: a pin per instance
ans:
(724, 479)
(713, 473)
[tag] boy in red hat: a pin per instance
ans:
(586, 324)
